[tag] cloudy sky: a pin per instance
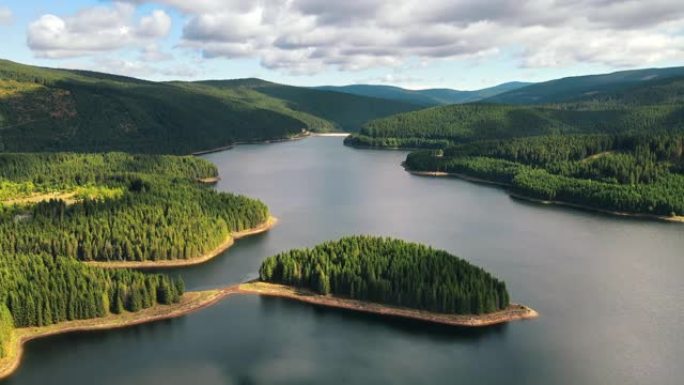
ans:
(464, 44)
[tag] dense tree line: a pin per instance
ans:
(67, 169)
(389, 271)
(440, 127)
(162, 214)
(663, 198)
(164, 221)
(41, 290)
(630, 173)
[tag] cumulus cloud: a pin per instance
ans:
(95, 29)
(5, 15)
(308, 36)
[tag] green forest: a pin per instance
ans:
(634, 173)
(389, 271)
(39, 290)
(441, 127)
(159, 211)
(161, 214)
(44, 109)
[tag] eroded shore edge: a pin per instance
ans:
(173, 263)
(512, 313)
(190, 302)
(301, 135)
(197, 300)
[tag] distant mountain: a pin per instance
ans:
(639, 101)
(427, 97)
(45, 109)
(616, 85)
(321, 109)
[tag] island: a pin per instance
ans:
(389, 277)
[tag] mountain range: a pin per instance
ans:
(46, 109)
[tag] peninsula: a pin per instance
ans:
(389, 277)
(635, 175)
(382, 276)
(172, 263)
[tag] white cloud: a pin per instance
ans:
(95, 29)
(5, 15)
(309, 36)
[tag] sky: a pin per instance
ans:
(460, 44)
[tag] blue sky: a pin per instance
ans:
(462, 44)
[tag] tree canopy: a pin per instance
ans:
(640, 173)
(389, 271)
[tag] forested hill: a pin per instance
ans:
(595, 87)
(439, 127)
(44, 109)
(426, 97)
(51, 110)
(389, 271)
(322, 110)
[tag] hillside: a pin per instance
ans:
(426, 97)
(43, 109)
(50, 110)
(616, 85)
(321, 109)
(439, 127)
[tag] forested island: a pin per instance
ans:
(389, 276)
(121, 208)
(639, 174)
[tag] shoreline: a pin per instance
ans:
(173, 263)
(209, 180)
(457, 175)
(193, 301)
(301, 135)
(331, 134)
(190, 303)
(211, 150)
(381, 148)
(661, 218)
(512, 313)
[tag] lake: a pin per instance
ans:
(608, 289)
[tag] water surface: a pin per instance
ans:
(608, 289)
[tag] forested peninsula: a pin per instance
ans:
(391, 277)
(632, 174)
(59, 210)
(140, 209)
